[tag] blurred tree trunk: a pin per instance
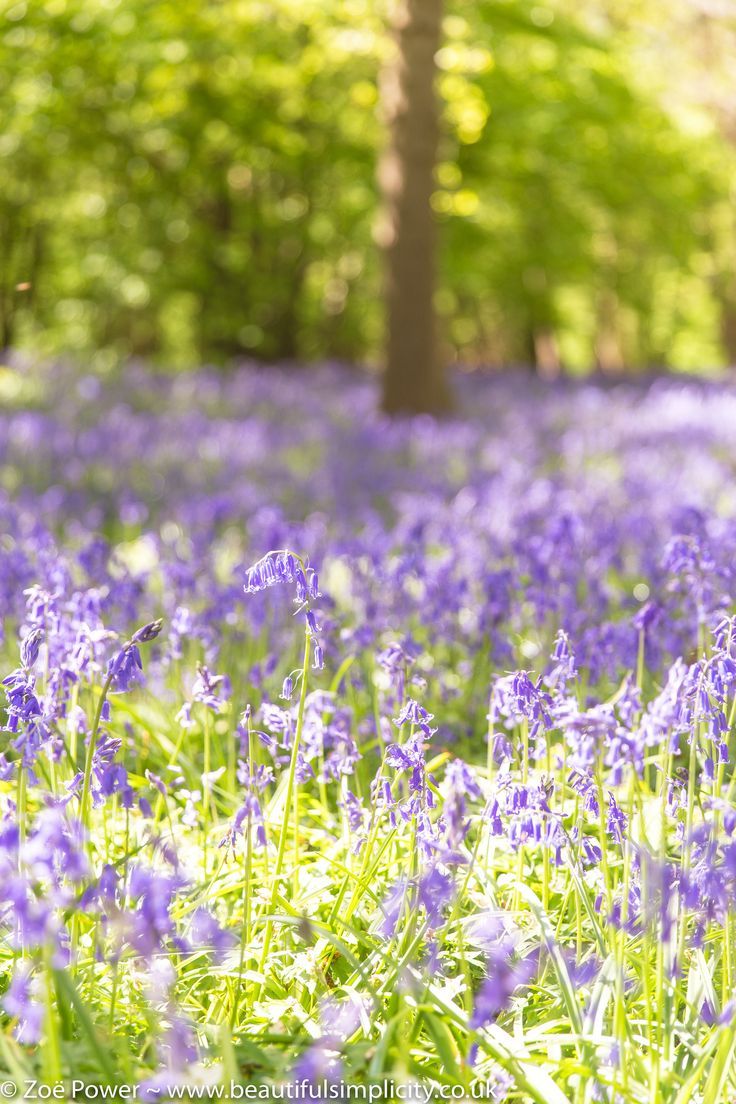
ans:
(728, 331)
(414, 378)
(724, 288)
(547, 354)
(609, 358)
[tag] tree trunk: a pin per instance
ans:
(547, 354)
(728, 331)
(725, 290)
(414, 378)
(609, 358)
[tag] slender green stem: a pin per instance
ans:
(91, 747)
(288, 799)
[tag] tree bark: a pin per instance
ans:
(547, 354)
(728, 333)
(414, 379)
(609, 358)
(725, 290)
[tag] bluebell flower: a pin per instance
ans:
(147, 632)
(503, 978)
(415, 714)
(21, 1002)
(125, 668)
(30, 647)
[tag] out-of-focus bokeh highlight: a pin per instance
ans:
(195, 181)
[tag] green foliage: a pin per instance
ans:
(196, 181)
(584, 198)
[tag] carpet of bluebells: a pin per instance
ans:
(337, 749)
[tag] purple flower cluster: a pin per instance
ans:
(509, 709)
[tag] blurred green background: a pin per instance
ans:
(195, 181)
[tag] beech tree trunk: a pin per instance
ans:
(726, 292)
(414, 378)
(728, 332)
(609, 358)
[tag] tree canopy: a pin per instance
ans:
(196, 180)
